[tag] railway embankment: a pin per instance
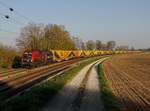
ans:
(34, 99)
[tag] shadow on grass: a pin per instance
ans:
(3, 87)
(34, 99)
(45, 96)
(38, 97)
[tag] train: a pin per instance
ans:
(36, 58)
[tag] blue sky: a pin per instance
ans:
(125, 21)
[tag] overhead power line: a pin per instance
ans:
(5, 16)
(4, 30)
(15, 11)
(14, 21)
(9, 17)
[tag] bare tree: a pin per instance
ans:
(83, 47)
(122, 47)
(103, 46)
(29, 37)
(111, 45)
(38, 37)
(90, 45)
(58, 37)
(98, 45)
(79, 44)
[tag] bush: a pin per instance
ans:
(7, 55)
(16, 62)
(3, 65)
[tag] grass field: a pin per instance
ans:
(128, 76)
(110, 101)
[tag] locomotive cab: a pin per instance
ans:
(36, 58)
(27, 59)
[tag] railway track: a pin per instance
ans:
(15, 73)
(16, 84)
(11, 73)
(132, 93)
(5, 71)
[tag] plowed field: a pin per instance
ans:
(129, 78)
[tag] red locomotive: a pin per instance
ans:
(35, 58)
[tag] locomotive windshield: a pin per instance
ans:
(27, 56)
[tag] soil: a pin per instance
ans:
(128, 76)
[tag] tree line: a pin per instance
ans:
(93, 45)
(52, 36)
(40, 37)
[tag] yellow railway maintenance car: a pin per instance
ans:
(60, 55)
(34, 58)
(78, 53)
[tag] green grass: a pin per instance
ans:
(39, 96)
(110, 101)
(3, 69)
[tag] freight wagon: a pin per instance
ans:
(36, 58)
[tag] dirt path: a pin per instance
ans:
(91, 100)
(81, 94)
